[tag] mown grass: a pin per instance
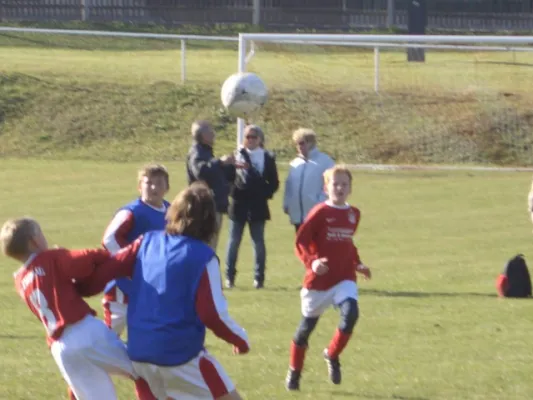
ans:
(122, 99)
(431, 326)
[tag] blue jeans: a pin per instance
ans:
(257, 232)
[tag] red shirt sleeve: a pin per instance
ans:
(116, 233)
(79, 264)
(119, 265)
(212, 308)
(306, 249)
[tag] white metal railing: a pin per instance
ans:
(182, 38)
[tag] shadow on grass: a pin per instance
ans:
(518, 64)
(346, 394)
(370, 292)
(250, 288)
(19, 337)
(388, 293)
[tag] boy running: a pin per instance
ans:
(325, 246)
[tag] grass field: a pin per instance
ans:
(78, 116)
(119, 99)
(431, 326)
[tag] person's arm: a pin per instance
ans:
(116, 233)
(109, 268)
(287, 192)
(203, 169)
(80, 264)
(327, 164)
(272, 181)
(212, 309)
(305, 238)
(230, 172)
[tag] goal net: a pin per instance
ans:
(468, 103)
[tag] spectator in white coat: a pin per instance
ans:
(304, 187)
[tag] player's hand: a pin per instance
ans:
(242, 165)
(239, 351)
(320, 266)
(364, 270)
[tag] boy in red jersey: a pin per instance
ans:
(85, 350)
(325, 246)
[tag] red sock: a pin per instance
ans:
(71, 395)
(338, 343)
(297, 357)
(142, 390)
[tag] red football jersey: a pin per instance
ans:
(45, 283)
(328, 233)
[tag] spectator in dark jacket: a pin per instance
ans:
(217, 173)
(255, 184)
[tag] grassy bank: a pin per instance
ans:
(122, 99)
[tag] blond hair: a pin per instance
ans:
(16, 234)
(193, 213)
(150, 170)
(305, 134)
(335, 170)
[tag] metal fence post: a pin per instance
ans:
(85, 12)
(183, 61)
(391, 13)
(256, 17)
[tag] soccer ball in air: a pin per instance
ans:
(243, 94)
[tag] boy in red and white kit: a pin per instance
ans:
(85, 350)
(325, 246)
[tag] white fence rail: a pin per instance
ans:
(141, 35)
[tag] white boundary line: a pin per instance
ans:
(391, 167)
(414, 168)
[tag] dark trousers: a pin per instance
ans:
(257, 232)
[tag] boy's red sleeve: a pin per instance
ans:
(79, 264)
(117, 266)
(305, 248)
(502, 285)
(212, 308)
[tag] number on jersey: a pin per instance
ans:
(46, 315)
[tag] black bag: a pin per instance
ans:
(518, 279)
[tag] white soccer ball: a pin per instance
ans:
(243, 94)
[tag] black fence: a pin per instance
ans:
(335, 14)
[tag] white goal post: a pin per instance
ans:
(451, 42)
